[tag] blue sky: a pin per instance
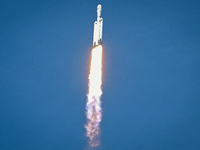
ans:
(151, 74)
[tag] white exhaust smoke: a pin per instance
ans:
(93, 106)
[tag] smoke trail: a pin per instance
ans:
(93, 106)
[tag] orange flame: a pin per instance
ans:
(93, 106)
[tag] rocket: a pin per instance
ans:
(98, 25)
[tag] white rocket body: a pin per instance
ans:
(98, 27)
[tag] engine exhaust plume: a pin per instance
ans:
(93, 106)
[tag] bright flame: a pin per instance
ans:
(93, 105)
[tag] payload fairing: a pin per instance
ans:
(98, 27)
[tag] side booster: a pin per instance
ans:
(98, 25)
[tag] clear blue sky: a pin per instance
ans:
(151, 74)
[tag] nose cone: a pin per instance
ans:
(99, 8)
